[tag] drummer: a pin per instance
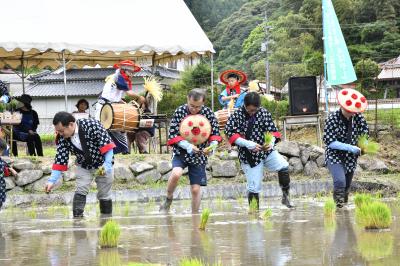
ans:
(232, 79)
(187, 154)
(117, 86)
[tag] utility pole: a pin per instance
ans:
(264, 48)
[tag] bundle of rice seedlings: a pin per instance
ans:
(231, 104)
(210, 148)
(266, 214)
(268, 138)
(204, 218)
(253, 85)
(375, 245)
(375, 215)
(367, 146)
(361, 199)
(101, 171)
(109, 235)
(329, 208)
(153, 87)
(109, 257)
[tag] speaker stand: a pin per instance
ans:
(300, 120)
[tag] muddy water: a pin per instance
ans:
(291, 237)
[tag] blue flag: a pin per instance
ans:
(338, 63)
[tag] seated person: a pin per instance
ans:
(82, 105)
(26, 131)
(141, 136)
(4, 94)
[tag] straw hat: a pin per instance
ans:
(352, 101)
(195, 128)
(240, 75)
(128, 65)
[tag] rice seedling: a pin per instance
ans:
(64, 210)
(196, 262)
(31, 213)
(109, 258)
(267, 214)
(141, 264)
(361, 199)
(220, 202)
(101, 171)
(329, 208)
(109, 235)
(240, 200)
(367, 146)
(205, 214)
(268, 138)
(375, 245)
(253, 207)
(127, 207)
(375, 215)
(330, 223)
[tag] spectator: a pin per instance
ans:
(82, 105)
(26, 130)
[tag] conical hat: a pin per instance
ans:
(352, 101)
(241, 75)
(195, 128)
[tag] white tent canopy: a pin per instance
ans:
(43, 33)
(100, 32)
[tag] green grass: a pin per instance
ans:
(329, 208)
(205, 214)
(266, 214)
(109, 235)
(375, 245)
(385, 117)
(375, 215)
(361, 199)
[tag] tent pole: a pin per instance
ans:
(65, 81)
(22, 73)
(212, 82)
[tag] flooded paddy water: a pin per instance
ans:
(303, 236)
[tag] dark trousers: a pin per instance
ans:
(34, 144)
(341, 179)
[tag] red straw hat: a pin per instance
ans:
(128, 65)
(240, 74)
(352, 101)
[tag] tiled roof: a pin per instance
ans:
(84, 82)
(80, 88)
(99, 74)
(390, 70)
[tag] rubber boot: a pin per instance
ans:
(166, 205)
(254, 196)
(339, 197)
(106, 207)
(346, 195)
(284, 182)
(78, 205)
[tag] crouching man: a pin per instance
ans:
(90, 143)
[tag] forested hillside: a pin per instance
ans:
(236, 28)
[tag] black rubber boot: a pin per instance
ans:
(339, 197)
(78, 205)
(346, 195)
(254, 196)
(166, 205)
(106, 206)
(284, 182)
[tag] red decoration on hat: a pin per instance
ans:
(196, 131)
(204, 134)
(129, 64)
(354, 96)
(345, 92)
(363, 99)
(348, 102)
(190, 123)
(187, 133)
(201, 124)
(358, 104)
(194, 140)
(224, 76)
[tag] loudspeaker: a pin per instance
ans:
(303, 95)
